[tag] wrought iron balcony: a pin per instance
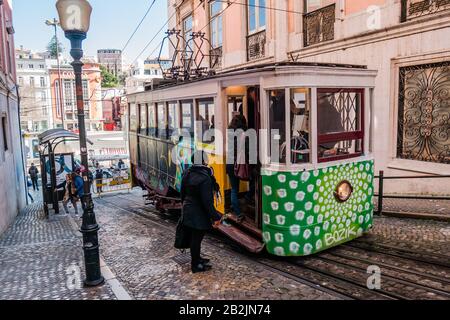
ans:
(418, 8)
(318, 26)
(256, 46)
(216, 58)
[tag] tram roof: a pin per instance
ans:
(163, 84)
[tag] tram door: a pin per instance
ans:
(254, 122)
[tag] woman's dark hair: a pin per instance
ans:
(238, 122)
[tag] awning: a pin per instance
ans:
(58, 134)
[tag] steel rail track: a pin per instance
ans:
(318, 285)
(327, 276)
(391, 278)
(372, 261)
(400, 253)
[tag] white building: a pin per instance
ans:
(34, 89)
(140, 73)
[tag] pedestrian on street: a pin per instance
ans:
(121, 164)
(34, 173)
(198, 187)
(78, 186)
(99, 178)
(70, 194)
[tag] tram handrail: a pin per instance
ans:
(381, 178)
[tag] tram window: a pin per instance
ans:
(277, 123)
(174, 121)
(162, 121)
(133, 117)
(187, 118)
(340, 123)
(300, 107)
(151, 120)
(205, 120)
(235, 106)
(143, 119)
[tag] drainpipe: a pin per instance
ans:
(21, 146)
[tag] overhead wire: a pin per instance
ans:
(139, 25)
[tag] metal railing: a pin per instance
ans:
(381, 196)
(318, 25)
(418, 8)
(256, 46)
(121, 182)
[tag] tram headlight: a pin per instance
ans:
(344, 191)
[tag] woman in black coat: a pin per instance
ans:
(199, 214)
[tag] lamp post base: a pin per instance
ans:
(96, 283)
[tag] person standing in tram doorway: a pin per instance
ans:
(198, 188)
(238, 123)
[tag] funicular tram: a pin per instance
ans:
(314, 189)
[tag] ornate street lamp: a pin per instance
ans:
(74, 16)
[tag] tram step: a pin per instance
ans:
(248, 242)
(246, 226)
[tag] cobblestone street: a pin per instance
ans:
(137, 246)
(36, 257)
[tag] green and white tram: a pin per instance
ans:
(314, 187)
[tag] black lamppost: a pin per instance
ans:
(74, 16)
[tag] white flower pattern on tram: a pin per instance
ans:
(281, 220)
(304, 207)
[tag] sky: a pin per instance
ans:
(112, 23)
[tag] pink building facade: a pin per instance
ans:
(406, 41)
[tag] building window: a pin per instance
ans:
(187, 28)
(42, 82)
(20, 81)
(43, 96)
(20, 65)
(31, 81)
(423, 124)
(412, 9)
(5, 133)
(256, 39)
(256, 15)
(340, 123)
(31, 66)
(318, 21)
(58, 98)
(85, 94)
(216, 37)
(69, 97)
(41, 66)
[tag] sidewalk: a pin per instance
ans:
(415, 208)
(42, 259)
